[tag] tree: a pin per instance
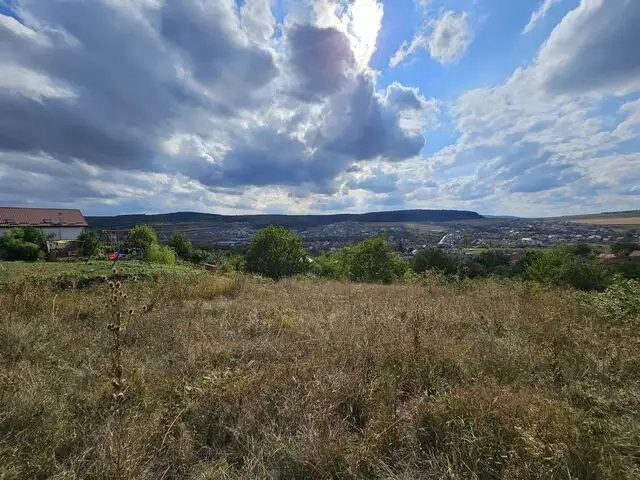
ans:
(91, 242)
(145, 236)
(373, 260)
(181, 245)
(23, 244)
(433, 259)
(276, 252)
(492, 260)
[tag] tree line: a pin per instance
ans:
(276, 252)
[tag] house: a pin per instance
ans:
(635, 255)
(63, 224)
(607, 256)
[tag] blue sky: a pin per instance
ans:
(528, 107)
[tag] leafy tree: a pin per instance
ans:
(467, 268)
(276, 252)
(200, 255)
(433, 259)
(373, 260)
(545, 266)
(36, 236)
(145, 236)
(181, 245)
(91, 242)
(23, 244)
(492, 260)
(584, 275)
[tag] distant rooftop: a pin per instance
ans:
(40, 217)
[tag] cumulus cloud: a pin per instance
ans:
(595, 47)
(322, 59)
(196, 91)
(446, 39)
(539, 14)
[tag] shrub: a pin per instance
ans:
(160, 254)
(373, 260)
(25, 244)
(619, 301)
(200, 255)
(181, 245)
(276, 252)
(583, 275)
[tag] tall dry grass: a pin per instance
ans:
(233, 377)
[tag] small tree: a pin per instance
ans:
(373, 260)
(23, 244)
(433, 259)
(276, 252)
(145, 236)
(181, 245)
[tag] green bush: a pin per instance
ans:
(276, 252)
(200, 255)
(374, 261)
(619, 301)
(25, 244)
(181, 245)
(433, 259)
(144, 236)
(160, 254)
(583, 275)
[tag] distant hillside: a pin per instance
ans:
(290, 221)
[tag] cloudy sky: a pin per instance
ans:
(528, 107)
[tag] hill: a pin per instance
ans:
(289, 221)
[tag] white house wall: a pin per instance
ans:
(59, 233)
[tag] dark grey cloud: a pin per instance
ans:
(594, 47)
(371, 129)
(357, 125)
(321, 59)
(124, 93)
(208, 34)
(116, 85)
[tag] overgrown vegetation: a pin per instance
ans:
(27, 244)
(237, 377)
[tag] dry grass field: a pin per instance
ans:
(242, 378)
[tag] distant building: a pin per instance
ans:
(635, 255)
(607, 256)
(63, 224)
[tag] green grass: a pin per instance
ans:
(81, 274)
(242, 378)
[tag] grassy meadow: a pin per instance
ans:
(234, 377)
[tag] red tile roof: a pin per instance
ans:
(635, 254)
(40, 217)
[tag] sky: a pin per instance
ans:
(528, 107)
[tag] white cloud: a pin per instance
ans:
(539, 14)
(446, 39)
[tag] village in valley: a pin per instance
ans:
(456, 238)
